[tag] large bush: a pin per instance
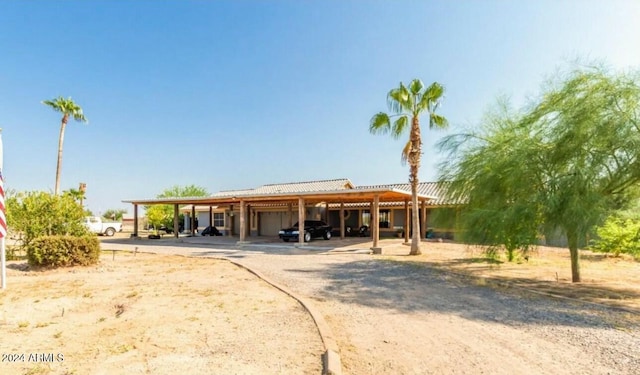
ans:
(35, 214)
(61, 251)
(618, 236)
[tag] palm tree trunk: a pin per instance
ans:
(60, 142)
(414, 162)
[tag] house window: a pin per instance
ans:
(384, 218)
(218, 219)
(366, 218)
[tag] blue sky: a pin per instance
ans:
(236, 94)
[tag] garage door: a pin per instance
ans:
(272, 222)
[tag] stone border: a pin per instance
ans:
(332, 365)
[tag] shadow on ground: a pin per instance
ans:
(410, 287)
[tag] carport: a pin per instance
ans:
(245, 200)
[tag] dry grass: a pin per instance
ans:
(152, 314)
(614, 281)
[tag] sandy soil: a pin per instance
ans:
(152, 314)
(446, 311)
(449, 311)
(608, 280)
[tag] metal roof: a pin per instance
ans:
(292, 187)
(431, 189)
(331, 191)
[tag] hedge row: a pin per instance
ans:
(62, 251)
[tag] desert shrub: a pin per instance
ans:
(12, 253)
(34, 214)
(61, 251)
(618, 236)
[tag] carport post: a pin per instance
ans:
(176, 225)
(193, 219)
(135, 220)
(423, 220)
(290, 212)
(342, 220)
(375, 225)
(243, 222)
(210, 216)
(407, 219)
(371, 219)
(301, 218)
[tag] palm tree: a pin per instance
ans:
(69, 109)
(77, 195)
(408, 103)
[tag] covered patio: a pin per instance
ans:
(248, 201)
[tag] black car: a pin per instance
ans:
(211, 231)
(312, 229)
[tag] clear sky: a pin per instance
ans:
(236, 94)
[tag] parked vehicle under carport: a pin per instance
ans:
(312, 229)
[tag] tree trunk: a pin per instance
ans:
(414, 166)
(572, 238)
(415, 214)
(60, 142)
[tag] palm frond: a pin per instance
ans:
(400, 99)
(437, 121)
(431, 97)
(380, 124)
(405, 153)
(67, 107)
(416, 86)
(399, 126)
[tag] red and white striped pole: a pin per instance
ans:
(3, 221)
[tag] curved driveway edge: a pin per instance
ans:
(332, 364)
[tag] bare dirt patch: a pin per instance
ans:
(613, 281)
(152, 314)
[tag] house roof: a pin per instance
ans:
(431, 189)
(332, 191)
(292, 187)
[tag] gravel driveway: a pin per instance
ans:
(396, 318)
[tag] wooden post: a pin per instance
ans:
(231, 222)
(193, 219)
(342, 220)
(176, 224)
(249, 221)
(423, 220)
(135, 220)
(243, 219)
(290, 207)
(301, 217)
(407, 219)
(375, 225)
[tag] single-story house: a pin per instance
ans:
(264, 210)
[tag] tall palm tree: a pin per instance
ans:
(407, 104)
(77, 195)
(68, 108)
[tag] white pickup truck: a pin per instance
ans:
(96, 225)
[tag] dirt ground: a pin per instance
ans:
(613, 281)
(162, 314)
(152, 314)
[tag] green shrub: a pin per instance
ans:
(62, 251)
(34, 214)
(12, 253)
(618, 235)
